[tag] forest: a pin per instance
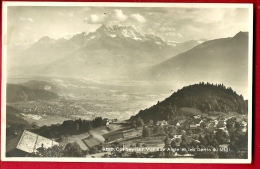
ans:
(205, 97)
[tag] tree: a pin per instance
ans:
(184, 138)
(88, 126)
(73, 150)
(214, 143)
(184, 144)
(34, 125)
(134, 124)
(70, 150)
(173, 144)
(221, 137)
(93, 150)
(167, 142)
(146, 132)
(106, 156)
(107, 140)
(55, 151)
(151, 122)
(139, 123)
(77, 126)
(203, 141)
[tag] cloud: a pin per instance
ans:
(94, 19)
(138, 17)
(114, 17)
(118, 15)
(26, 19)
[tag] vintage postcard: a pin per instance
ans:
(127, 82)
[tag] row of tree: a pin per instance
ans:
(68, 127)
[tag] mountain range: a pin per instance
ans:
(220, 61)
(121, 51)
(110, 50)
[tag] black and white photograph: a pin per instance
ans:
(127, 82)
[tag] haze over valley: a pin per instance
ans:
(116, 71)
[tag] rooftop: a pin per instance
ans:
(29, 142)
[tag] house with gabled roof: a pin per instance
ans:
(197, 117)
(243, 123)
(221, 124)
(193, 127)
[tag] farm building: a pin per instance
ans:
(91, 142)
(29, 143)
(132, 133)
(107, 121)
(224, 146)
(193, 127)
(113, 136)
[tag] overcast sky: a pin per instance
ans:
(172, 24)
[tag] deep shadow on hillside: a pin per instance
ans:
(21, 93)
(205, 97)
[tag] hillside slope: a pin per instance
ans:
(218, 61)
(21, 93)
(204, 97)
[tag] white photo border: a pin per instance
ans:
(121, 4)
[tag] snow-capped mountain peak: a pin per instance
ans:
(124, 32)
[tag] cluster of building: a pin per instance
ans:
(106, 121)
(195, 122)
